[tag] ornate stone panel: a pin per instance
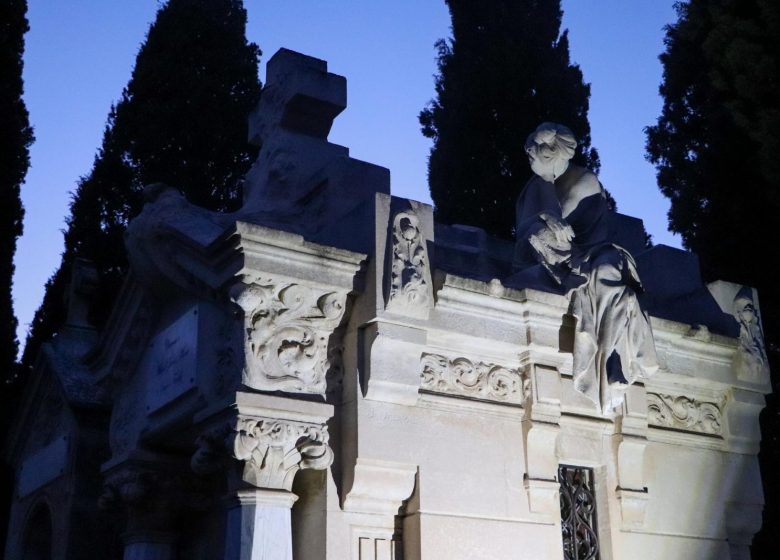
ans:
(684, 413)
(750, 362)
(410, 287)
(466, 378)
(288, 327)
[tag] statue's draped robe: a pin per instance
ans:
(613, 341)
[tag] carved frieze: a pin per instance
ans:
(272, 450)
(467, 378)
(684, 413)
(410, 287)
(288, 329)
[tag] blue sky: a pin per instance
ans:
(79, 55)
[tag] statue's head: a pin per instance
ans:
(549, 149)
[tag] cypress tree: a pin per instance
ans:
(16, 135)
(182, 120)
(15, 140)
(505, 70)
(715, 148)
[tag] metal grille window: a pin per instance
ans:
(578, 513)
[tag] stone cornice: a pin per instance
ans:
(287, 254)
(683, 349)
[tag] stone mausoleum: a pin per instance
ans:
(327, 374)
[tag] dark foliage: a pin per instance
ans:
(182, 121)
(716, 149)
(16, 135)
(505, 70)
(15, 140)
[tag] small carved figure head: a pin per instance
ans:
(549, 149)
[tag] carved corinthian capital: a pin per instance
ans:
(272, 450)
(288, 330)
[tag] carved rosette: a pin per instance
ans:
(288, 329)
(409, 275)
(465, 378)
(272, 450)
(683, 413)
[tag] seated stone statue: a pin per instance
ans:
(562, 224)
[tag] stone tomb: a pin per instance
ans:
(328, 374)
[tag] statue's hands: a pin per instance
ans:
(562, 231)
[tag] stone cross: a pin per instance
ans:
(291, 125)
(300, 96)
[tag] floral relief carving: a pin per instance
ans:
(751, 362)
(463, 377)
(683, 413)
(272, 450)
(409, 284)
(288, 328)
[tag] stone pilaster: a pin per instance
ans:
(262, 442)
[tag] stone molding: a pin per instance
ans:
(288, 328)
(684, 413)
(465, 377)
(380, 486)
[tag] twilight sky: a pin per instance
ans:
(79, 55)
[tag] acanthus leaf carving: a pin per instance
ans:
(272, 450)
(479, 380)
(288, 327)
(684, 413)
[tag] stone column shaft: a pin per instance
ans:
(258, 525)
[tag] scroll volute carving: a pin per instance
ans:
(470, 378)
(684, 413)
(287, 334)
(410, 291)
